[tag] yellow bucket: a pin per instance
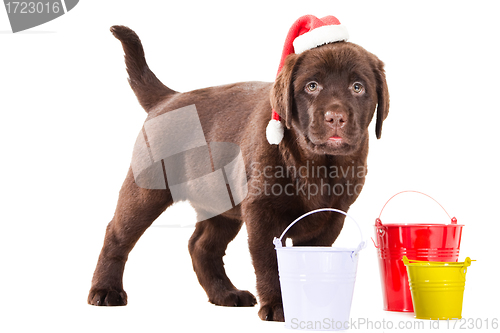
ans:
(437, 288)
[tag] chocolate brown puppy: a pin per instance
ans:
(326, 97)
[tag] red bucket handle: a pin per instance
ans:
(378, 222)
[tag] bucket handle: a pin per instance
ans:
(467, 263)
(463, 269)
(378, 222)
(277, 241)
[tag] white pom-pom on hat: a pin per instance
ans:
(306, 33)
(275, 130)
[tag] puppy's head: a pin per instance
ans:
(328, 95)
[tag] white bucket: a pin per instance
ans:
(317, 283)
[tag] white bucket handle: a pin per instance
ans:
(277, 241)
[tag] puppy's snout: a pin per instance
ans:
(336, 118)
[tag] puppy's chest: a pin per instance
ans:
(312, 186)
(329, 187)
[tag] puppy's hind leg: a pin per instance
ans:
(136, 210)
(207, 246)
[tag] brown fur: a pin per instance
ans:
(239, 113)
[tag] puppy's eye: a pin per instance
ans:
(358, 87)
(312, 86)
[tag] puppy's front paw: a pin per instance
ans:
(107, 297)
(272, 312)
(234, 298)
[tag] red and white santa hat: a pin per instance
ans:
(306, 33)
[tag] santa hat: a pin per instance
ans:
(306, 33)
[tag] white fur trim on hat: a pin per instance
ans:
(274, 132)
(319, 36)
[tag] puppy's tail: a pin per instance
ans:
(146, 86)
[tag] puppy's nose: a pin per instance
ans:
(336, 118)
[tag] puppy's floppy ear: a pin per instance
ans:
(282, 91)
(382, 97)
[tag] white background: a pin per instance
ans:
(69, 121)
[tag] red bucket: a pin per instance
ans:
(422, 241)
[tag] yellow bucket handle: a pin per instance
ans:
(467, 262)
